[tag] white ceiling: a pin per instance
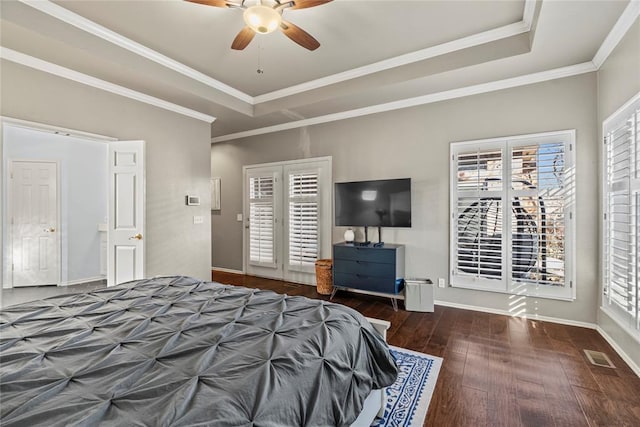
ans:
(372, 51)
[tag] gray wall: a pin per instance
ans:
(414, 143)
(619, 81)
(83, 193)
(177, 158)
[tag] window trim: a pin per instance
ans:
(506, 284)
(627, 323)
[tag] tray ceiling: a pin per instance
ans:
(371, 52)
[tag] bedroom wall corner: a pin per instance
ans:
(177, 158)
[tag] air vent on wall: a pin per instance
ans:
(598, 358)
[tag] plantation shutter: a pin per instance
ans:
(511, 206)
(477, 217)
(262, 221)
(538, 201)
(622, 214)
(304, 201)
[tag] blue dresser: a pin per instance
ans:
(367, 268)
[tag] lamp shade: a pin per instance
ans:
(349, 235)
(262, 19)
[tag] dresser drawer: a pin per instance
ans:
(364, 282)
(387, 271)
(355, 253)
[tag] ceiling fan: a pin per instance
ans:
(265, 16)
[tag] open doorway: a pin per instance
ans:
(55, 208)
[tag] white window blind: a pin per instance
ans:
(511, 204)
(303, 219)
(622, 214)
(538, 206)
(261, 221)
(478, 218)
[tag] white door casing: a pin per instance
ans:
(125, 249)
(35, 233)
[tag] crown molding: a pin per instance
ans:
(104, 33)
(43, 127)
(626, 20)
(398, 61)
(48, 67)
(529, 12)
(557, 73)
(84, 24)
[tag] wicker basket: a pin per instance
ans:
(324, 276)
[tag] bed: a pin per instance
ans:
(179, 351)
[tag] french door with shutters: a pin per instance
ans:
(288, 219)
(34, 223)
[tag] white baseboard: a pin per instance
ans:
(523, 315)
(227, 270)
(80, 281)
(629, 361)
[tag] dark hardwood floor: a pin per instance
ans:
(499, 370)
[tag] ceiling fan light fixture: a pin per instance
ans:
(262, 19)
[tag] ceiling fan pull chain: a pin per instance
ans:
(259, 70)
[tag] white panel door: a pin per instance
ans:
(125, 253)
(35, 234)
(263, 221)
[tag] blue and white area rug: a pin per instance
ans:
(408, 398)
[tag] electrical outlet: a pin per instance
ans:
(239, 217)
(198, 219)
(441, 282)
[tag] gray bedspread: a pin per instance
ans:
(178, 351)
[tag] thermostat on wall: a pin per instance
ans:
(193, 200)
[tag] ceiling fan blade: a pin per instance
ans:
(303, 4)
(243, 38)
(299, 36)
(214, 3)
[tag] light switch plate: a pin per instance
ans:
(239, 217)
(198, 219)
(192, 200)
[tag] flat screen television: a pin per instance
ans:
(381, 203)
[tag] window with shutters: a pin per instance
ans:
(621, 228)
(304, 200)
(511, 215)
(261, 220)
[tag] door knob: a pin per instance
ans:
(50, 230)
(137, 237)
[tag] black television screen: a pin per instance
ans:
(382, 203)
